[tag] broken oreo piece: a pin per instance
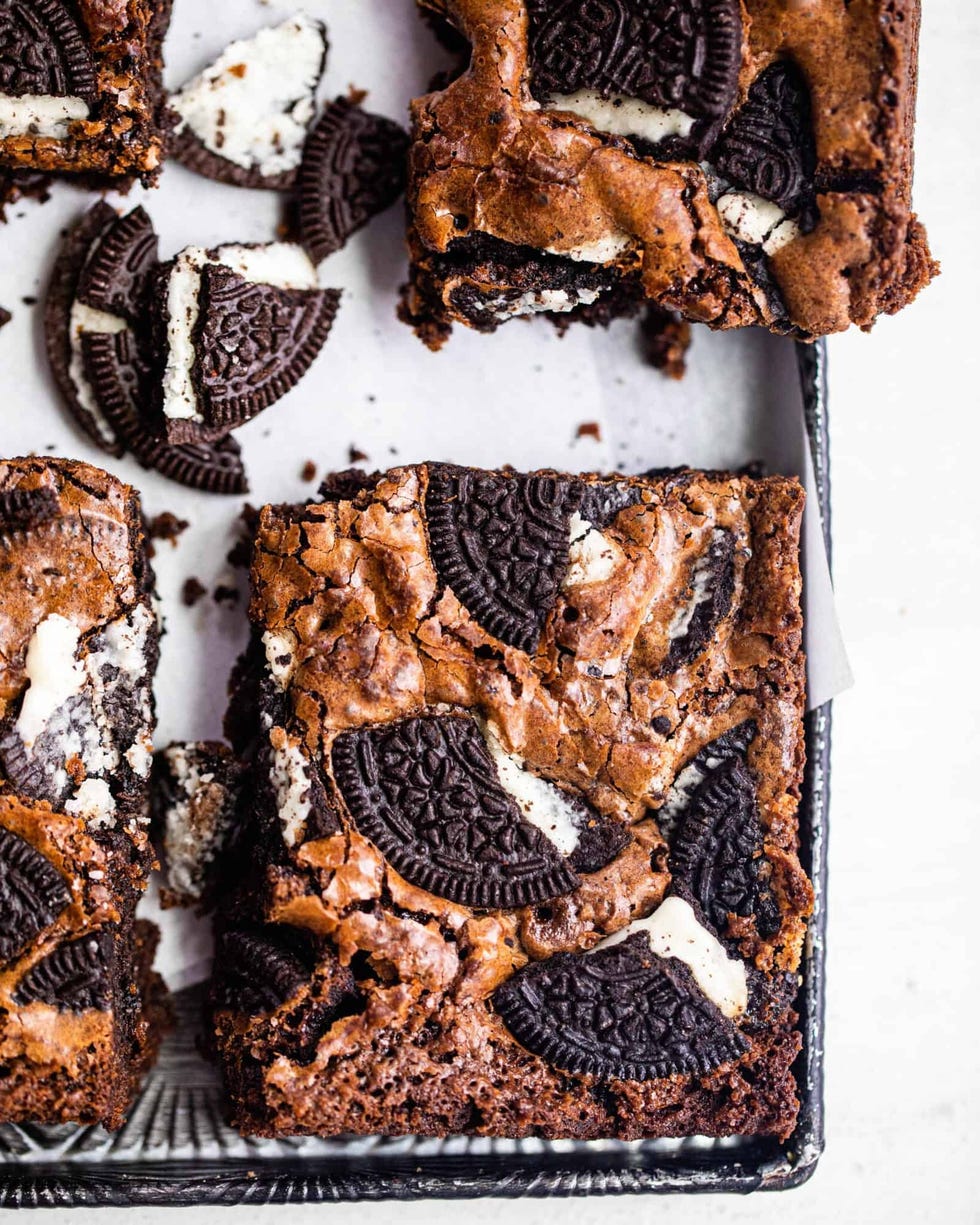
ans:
(244, 119)
(32, 894)
(501, 543)
(733, 743)
(681, 57)
(22, 510)
(45, 51)
(425, 791)
(242, 325)
(354, 166)
(73, 978)
(711, 588)
(115, 274)
(620, 1013)
(258, 971)
(716, 857)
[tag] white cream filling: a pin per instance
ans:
(280, 656)
(188, 843)
(602, 251)
(53, 674)
(93, 802)
(755, 220)
(253, 105)
(291, 783)
(39, 115)
(536, 301)
(122, 651)
(624, 116)
(701, 591)
(285, 265)
(85, 319)
(542, 803)
(592, 556)
(674, 931)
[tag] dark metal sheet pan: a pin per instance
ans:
(175, 1149)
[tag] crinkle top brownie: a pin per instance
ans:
(80, 86)
(744, 163)
(519, 850)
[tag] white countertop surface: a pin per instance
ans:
(903, 1069)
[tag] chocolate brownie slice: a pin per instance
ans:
(80, 87)
(739, 162)
(80, 1010)
(516, 851)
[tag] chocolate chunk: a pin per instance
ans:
(501, 543)
(73, 978)
(711, 590)
(619, 1013)
(32, 894)
(354, 166)
(115, 276)
(425, 791)
(676, 54)
(768, 148)
(44, 51)
(254, 342)
(22, 510)
(258, 971)
(716, 859)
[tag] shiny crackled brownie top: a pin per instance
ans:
(527, 743)
(78, 643)
(747, 162)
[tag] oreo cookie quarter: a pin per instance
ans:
(32, 894)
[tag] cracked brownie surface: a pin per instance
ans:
(80, 87)
(741, 163)
(81, 1012)
(516, 852)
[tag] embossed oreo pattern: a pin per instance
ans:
(618, 1013)
(426, 793)
(23, 510)
(501, 543)
(73, 978)
(682, 54)
(115, 275)
(257, 971)
(44, 51)
(716, 571)
(354, 166)
(768, 148)
(32, 894)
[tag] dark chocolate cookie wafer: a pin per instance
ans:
(44, 51)
(73, 978)
(354, 166)
(244, 119)
(618, 1013)
(22, 510)
(426, 793)
(32, 894)
(708, 601)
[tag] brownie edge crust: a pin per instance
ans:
(742, 163)
(516, 853)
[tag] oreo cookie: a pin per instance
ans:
(620, 1013)
(501, 543)
(242, 325)
(23, 510)
(44, 51)
(244, 119)
(769, 148)
(679, 55)
(709, 596)
(716, 857)
(354, 166)
(118, 266)
(73, 978)
(425, 791)
(32, 894)
(257, 971)
(731, 744)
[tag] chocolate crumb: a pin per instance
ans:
(308, 471)
(192, 591)
(355, 95)
(589, 429)
(240, 554)
(223, 594)
(30, 300)
(166, 526)
(5, 317)
(355, 455)
(666, 337)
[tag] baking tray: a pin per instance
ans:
(175, 1149)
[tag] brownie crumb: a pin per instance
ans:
(666, 337)
(356, 96)
(355, 455)
(308, 471)
(5, 317)
(239, 555)
(224, 594)
(29, 300)
(192, 590)
(167, 526)
(589, 429)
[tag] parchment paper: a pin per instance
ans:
(516, 397)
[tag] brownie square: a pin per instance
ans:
(81, 1012)
(517, 850)
(81, 88)
(739, 162)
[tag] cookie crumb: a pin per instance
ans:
(666, 338)
(224, 594)
(5, 317)
(308, 471)
(192, 590)
(355, 455)
(166, 526)
(589, 429)
(356, 96)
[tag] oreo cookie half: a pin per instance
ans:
(242, 325)
(501, 543)
(354, 166)
(73, 978)
(32, 894)
(620, 1012)
(244, 119)
(45, 52)
(425, 791)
